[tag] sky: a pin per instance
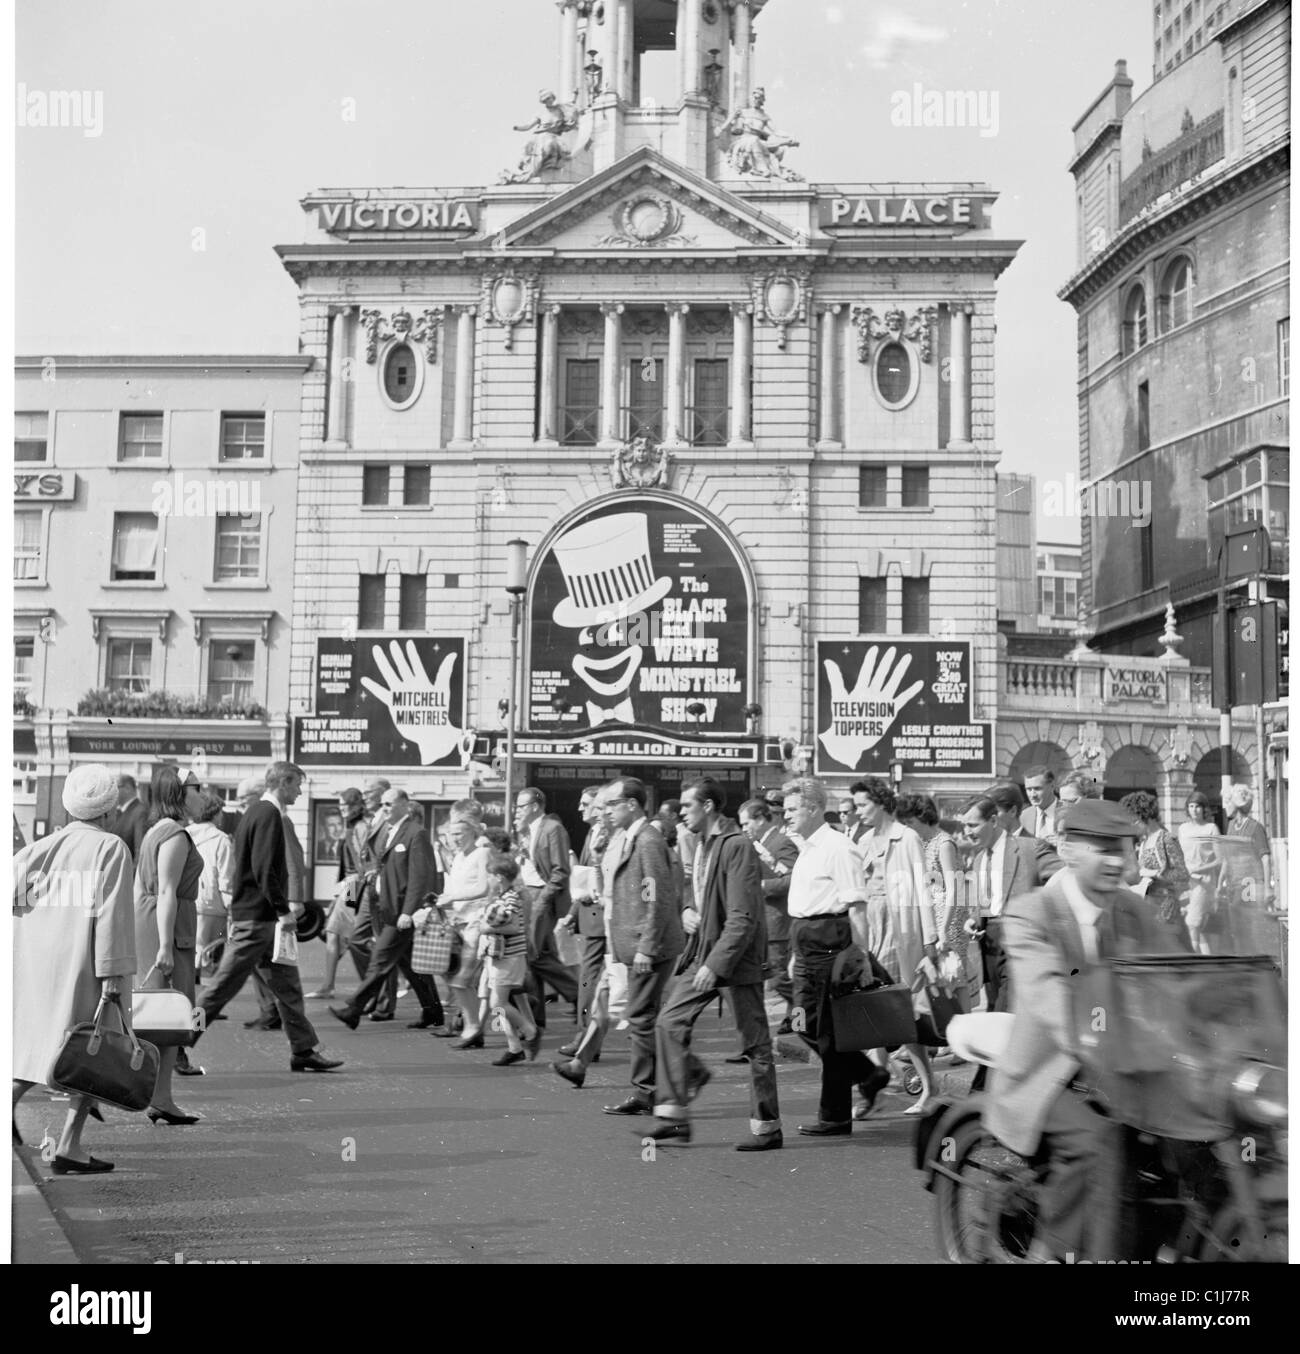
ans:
(149, 229)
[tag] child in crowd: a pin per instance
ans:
(503, 945)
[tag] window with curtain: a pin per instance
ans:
(135, 547)
(31, 437)
(231, 666)
(239, 546)
(129, 664)
(28, 529)
(24, 661)
(1133, 334)
(243, 437)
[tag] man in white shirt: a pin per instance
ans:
(1039, 819)
(544, 873)
(462, 903)
(825, 881)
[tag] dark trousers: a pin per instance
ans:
(645, 995)
(1075, 1206)
(778, 953)
(360, 947)
(997, 988)
(390, 955)
(266, 1008)
(816, 942)
(248, 950)
(589, 973)
(677, 1069)
(544, 964)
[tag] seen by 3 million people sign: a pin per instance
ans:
(883, 700)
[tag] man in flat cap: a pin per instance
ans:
(1058, 940)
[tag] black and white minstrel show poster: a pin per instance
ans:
(898, 700)
(385, 702)
(640, 615)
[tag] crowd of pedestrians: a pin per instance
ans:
(660, 913)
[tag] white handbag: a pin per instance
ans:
(163, 1016)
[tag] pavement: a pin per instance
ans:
(413, 1152)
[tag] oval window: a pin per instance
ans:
(401, 375)
(894, 374)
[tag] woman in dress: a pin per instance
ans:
(74, 941)
(1198, 838)
(214, 886)
(946, 882)
(896, 923)
(166, 916)
(1160, 862)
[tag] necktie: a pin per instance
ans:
(988, 882)
(1105, 929)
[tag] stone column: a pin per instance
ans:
(959, 384)
(741, 38)
(624, 49)
(688, 37)
(463, 420)
(828, 404)
(336, 428)
(612, 374)
(675, 413)
(548, 422)
(569, 75)
(610, 46)
(742, 368)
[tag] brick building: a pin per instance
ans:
(742, 424)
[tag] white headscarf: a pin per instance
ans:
(90, 791)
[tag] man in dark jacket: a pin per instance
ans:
(131, 819)
(727, 947)
(259, 906)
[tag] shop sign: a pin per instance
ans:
(113, 743)
(627, 745)
(382, 702)
(49, 486)
(884, 700)
(870, 211)
(640, 616)
(1134, 683)
(445, 214)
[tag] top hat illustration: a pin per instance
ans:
(607, 570)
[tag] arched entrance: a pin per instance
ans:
(1129, 769)
(1050, 755)
(1208, 779)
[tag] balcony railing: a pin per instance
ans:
(1192, 153)
(709, 424)
(1079, 686)
(1041, 677)
(581, 426)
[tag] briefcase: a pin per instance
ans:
(109, 1065)
(873, 1017)
(163, 1016)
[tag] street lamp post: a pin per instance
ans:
(516, 586)
(896, 775)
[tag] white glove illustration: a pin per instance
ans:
(860, 718)
(420, 709)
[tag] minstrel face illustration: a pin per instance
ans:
(610, 580)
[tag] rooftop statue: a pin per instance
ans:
(544, 149)
(759, 149)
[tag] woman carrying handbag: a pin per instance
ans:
(70, 950)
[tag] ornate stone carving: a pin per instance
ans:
(641, 463)
(893, 325)
(709, 323)
(648, 323)
(595, 75)
(576, 323)
(781, 299)
(508, 298)
(646, 220)
(400, 325)
(543, 150)
(758, 149)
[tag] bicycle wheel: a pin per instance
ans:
(985, 1199)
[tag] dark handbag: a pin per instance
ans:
(867, 1010)
(109, 1065)
(932, 1025)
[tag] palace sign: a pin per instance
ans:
(446, 214)
(965, 212)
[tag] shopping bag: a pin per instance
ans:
(286, 947)
(434, 947)
(110, 1065)
(164, 1016)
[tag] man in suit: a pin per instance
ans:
(1045, 1085)
(406, 880)
(544, 873)
(1011, 805)
(776, 858)
(645, 928)
(727, 948)
(259, 905)
(586, 915)
(1039, 819)
(131, 819)
(383, 1005)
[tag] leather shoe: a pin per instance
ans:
(572, 1071)
(349, 1018)
(821, 1129)
(785, 1027)
(508, 1059)
(260, 1024)
(425, 1022)
(443, 1032)
(66, 1166)
(475, 1041)
(187, 1069)
(314, 1062)
(534, 1045)
(632, 1105)
(737, 1058)
(669, 1130)
(381, 1015)
(872, 1087)
(568, 1050)
(762, 1142)
(699, 1081)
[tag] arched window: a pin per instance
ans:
(402, 375)
(1134, 330)
(1176, 295)
(896, 375)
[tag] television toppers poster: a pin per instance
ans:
(386, 702)
(883, 700)
(641, 615)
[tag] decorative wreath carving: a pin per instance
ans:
(400, 325)
(895, 324)
(646, 220)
